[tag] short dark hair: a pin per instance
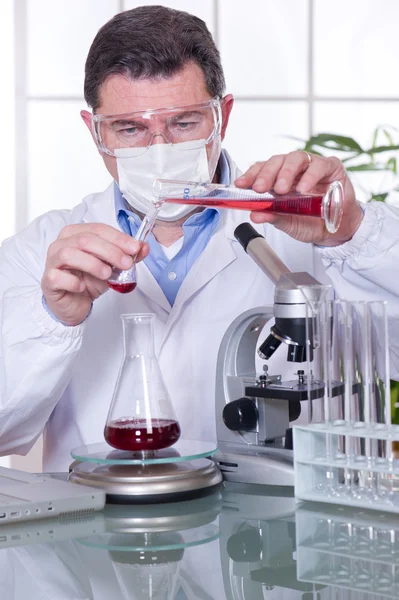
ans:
(150, 42)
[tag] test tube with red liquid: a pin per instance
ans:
(125, 281)
(328, 206)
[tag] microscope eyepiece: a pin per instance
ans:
(259, 250)
(289, 302)
(245, 233)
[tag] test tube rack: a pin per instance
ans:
(324, 473)
(348, 549)
(347, 455)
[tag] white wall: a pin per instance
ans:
(7, 112)
(7, 166)
(295, 67)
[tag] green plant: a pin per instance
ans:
(395, 401)
(381, 155)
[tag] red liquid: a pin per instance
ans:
(122, 288)
(134, 434)
(287, 204)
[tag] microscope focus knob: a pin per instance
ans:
(241, 415)
(245, 546)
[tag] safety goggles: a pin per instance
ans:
(138, 130)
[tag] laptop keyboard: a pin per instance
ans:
(15, 477)
(5, 500)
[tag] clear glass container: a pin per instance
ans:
(141, 417)
(125, 281)
(328, 206)
(148, 574)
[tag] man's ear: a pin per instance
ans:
(87, 119)
(226, 105)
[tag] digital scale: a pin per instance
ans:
(181, 472)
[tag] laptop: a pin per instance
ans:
(54, 529)
(26, 496)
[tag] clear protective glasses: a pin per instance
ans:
(137, 130)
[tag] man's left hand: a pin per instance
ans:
(306, 173)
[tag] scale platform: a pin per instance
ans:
(146, 543)
(181, 472)
(155, 527)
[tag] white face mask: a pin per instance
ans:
(164, 161)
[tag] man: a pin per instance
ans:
(155, 87)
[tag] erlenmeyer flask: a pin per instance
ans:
(141, 416)
(148, 574)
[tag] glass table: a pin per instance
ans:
(242, 542)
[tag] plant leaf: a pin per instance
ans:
(378, 149)
(386, 131)
(368, 167)
(393, 164)
(334, 142)
(379, 197)
(388, 136)
(375, 136)
(347, 158)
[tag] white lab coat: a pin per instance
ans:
(60, 379)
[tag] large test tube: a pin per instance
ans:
(328, 206)
(318, 335)
(380, 398)
(319, 369)
(379, 341)
(360, 350)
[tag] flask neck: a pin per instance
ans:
(138, 335)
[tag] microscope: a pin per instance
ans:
(253, 413)
(258, 543)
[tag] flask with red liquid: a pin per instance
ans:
(141, 416)
(328, 206)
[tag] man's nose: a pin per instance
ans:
(158, 138)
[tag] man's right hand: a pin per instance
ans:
(78, 266)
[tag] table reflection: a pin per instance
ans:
(246, 543)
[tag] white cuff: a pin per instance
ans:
(369, 231)
(24, 307)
